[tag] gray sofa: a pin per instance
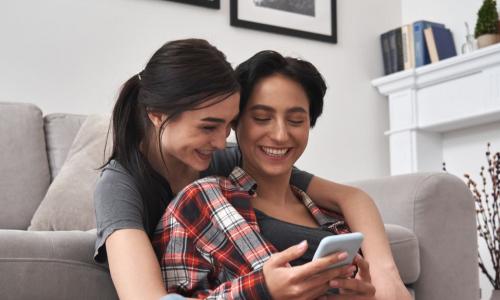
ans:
(432, 223)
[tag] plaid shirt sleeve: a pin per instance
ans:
(181, 241)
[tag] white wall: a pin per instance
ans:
(463, 150)
(72, 56)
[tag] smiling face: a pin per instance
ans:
(273, 128)
(190, 139)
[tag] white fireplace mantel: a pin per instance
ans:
(424, 103)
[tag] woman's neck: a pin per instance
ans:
(273, 190)
(176, 173)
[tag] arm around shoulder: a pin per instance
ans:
(122, 240)
(362, 215)
(133, 265)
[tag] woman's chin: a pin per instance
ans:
(276, 171)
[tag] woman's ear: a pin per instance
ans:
(157, 118)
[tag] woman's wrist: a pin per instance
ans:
(387, 270)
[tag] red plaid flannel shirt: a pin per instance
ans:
(209, 244)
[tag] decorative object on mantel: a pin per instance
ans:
(488, 214)
(469, 44)
(486, 31)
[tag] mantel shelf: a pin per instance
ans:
(455, 124)
(455, 67)
(425, 102)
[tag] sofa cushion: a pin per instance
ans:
(60, 131)
(68, 204)
(404, 246)
(23, 164)
(51, 265)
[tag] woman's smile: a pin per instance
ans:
(275, 153)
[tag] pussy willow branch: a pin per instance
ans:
(487, 212)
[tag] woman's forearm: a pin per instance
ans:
(133, 265)
(361, 214)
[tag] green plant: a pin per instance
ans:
(487, 19)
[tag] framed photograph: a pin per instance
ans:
(215, 4)
(310, 19)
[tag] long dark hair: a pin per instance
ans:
(180, 76)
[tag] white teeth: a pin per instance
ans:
(275, 151)
(205, 152)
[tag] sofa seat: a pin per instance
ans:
(51, 265)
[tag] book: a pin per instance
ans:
(421, 53)
(384, 41)
(408, 48)
(439, 43)
(400, 63)
(396, 50)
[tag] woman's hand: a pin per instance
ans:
(360, 287)
(308, 281)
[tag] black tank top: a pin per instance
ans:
(284, 235)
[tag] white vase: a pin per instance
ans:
(487, 39)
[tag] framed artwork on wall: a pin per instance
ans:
(215, 4)
(310, 19)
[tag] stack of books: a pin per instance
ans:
(415, 45)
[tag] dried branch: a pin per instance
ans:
(487, 212)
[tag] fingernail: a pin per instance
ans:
(303, 244)
(343, 255)
(334, 283)
(351, 269)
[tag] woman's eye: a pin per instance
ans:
(261, 119)
(209, 128)
(296, 122)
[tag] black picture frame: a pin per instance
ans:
(214, 4)
(235, 21)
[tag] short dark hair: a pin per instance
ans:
(267, 63)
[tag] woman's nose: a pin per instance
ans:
(219, 140)
(279, 132)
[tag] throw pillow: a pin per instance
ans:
(68, 204)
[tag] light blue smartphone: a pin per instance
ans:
(349, 242)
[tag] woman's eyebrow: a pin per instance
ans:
(262, 107)
(296, 109)
(214, 120)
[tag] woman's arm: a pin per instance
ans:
(133, 265)
(362, 215)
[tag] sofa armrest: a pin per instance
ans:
(51, 265)
(439, 209)
(404, 247)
